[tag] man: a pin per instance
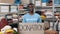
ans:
(31, 17)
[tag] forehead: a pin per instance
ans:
(30, 5)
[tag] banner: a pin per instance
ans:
(31, 28)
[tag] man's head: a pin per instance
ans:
(31, 8)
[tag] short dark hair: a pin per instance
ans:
(50, 2)
(30, 4)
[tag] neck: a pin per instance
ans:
(31, 13)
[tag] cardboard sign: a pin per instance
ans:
(31, 28)
(38, 3)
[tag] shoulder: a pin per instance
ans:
(37, 14)
(25, 15)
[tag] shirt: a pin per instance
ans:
(35, 18)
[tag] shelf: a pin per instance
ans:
(7, 4)
(46, 6)
(13, 23)
(50, 19)
(13, 12)
(22, 9)
(4, 12)
(43, 7)
(57, 6)
(21, 13)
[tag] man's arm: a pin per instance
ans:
(39, 20)
(24, 20)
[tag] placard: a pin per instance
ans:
(31, 28)
(13, 9)
(37, 3)
(4, 8)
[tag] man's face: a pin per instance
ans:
(30, 6)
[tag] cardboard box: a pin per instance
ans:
(51, 32)
(7, 1)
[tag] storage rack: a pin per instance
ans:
(36, 7)
(54, 8)
(7, 4)
(9, 12)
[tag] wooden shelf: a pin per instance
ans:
(44, 6)
(23, 9)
